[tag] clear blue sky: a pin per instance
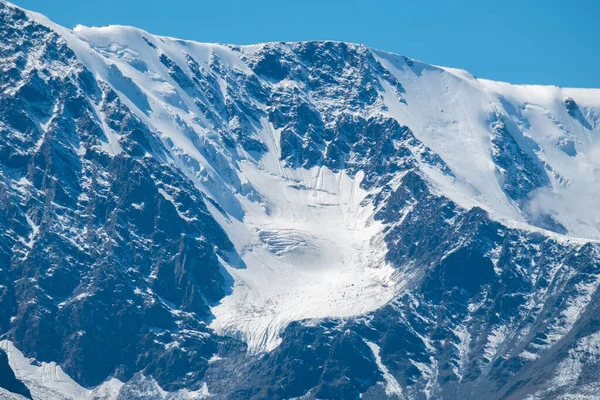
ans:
(521, 41)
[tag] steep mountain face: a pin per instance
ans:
(289, 220)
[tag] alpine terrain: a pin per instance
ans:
(313, 220)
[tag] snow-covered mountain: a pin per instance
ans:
(288, 220)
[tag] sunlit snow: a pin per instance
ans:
(309, 248)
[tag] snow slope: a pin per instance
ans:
(457, 127)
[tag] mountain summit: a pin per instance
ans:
(312, 220)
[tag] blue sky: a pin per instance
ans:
(520, 41)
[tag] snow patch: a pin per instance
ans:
(392, 387)
(49, 382)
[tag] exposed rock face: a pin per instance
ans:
(147, 185)
(98, 250)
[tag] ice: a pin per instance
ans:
(310, 249)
